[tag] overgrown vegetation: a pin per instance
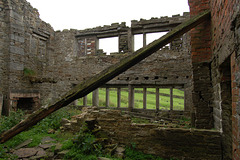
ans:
(8, 122)
(83, 146)
(29, 72)
(132, 154)
(35, 133)
(86, 145)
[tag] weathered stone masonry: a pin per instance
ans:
(25, 43)
(38, 64)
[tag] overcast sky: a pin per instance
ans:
(82, 14)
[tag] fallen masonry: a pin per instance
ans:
(154, 139)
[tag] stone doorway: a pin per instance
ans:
(28, 102)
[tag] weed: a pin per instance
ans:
(140, 120)
(28, 72)
(8, 122)
(132, 154)
(83, 146)
(35, 133)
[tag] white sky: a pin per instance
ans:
(82, 14)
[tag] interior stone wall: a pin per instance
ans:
(4, 48)
(26, 41)
(39, 60)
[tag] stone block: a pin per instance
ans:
(16, 50)
(17, 38)
(16, 16)
(16, 66)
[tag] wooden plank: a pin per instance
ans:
(98, 80)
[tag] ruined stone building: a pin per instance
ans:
(38, 64)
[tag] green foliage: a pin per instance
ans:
(37, 132)
(28, 72)
(140, 120)
(7, 122)
(4, 155)
(132, 154)
(83, 146)
(53, 121)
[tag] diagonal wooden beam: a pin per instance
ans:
(96, 81)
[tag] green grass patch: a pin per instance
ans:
(37, 132)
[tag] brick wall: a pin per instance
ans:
(223, 15)
(223, 61)
(201, 56)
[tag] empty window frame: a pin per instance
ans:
(109, 45)
(150, 37)
(138, 41)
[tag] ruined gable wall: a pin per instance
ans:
(29, 40)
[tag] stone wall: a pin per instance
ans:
(71, 62)
(4, 41)
(201, 57)
(224, 42)
(26, 41)
(36, 59)
(223, 67)
(177, 143)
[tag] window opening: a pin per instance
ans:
(164, 98)
(150, 37)
(138, 98)
(89, 99)
(151, 98)
(178, 99)
(138, 41)
(124, 97)
(102, 97)
(109, 45)
(113, 97)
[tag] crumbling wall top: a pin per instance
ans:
(106, 29)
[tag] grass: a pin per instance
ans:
(36, 133)
(164, 98)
